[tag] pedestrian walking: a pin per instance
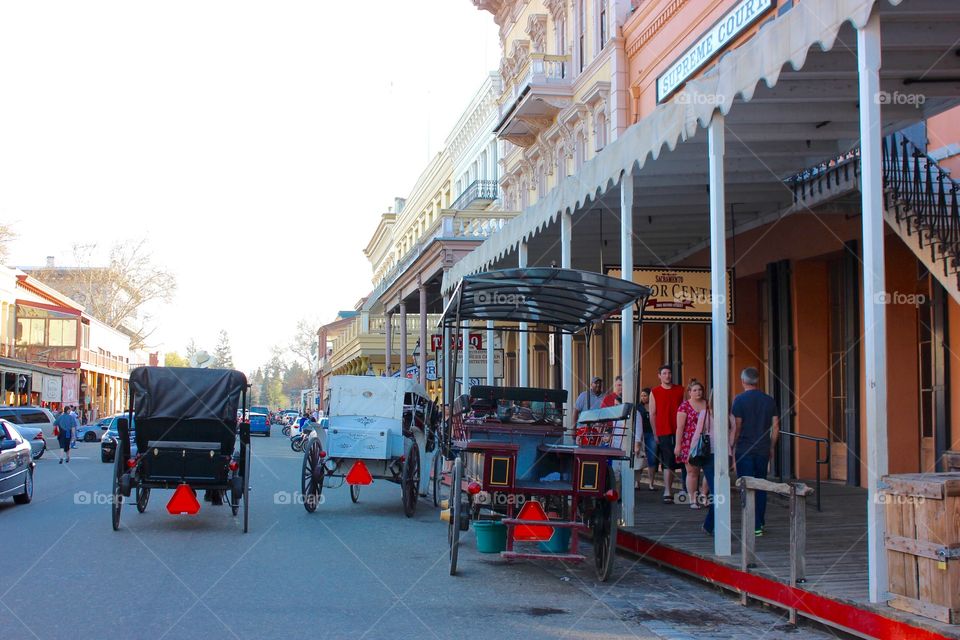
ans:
(644, 440)
(665, 400)
(616, 430)
(589, 399)
(66, 426)
(755, 433)
(688, 414)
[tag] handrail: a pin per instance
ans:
(477, 190)
(820, 461)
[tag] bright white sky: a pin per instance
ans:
(254, 142)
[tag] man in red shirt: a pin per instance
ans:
(665, 400)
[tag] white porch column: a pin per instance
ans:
(422, 365)
(403, 339)
(490, 353)
(566, 342)
(874, 313)
(466, 359)
(388, 346)
(627, 364)
(447, 387)
(719, 349)
(523, 358)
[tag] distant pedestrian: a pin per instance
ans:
(756, 429)
(688, 415)
(66, 426)
(665, 400)
(643, 437)
(616, 430)
(589, 399)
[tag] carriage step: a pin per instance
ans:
(522, 555)
(560, 524)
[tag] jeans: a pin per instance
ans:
(650, 450)
(754, 465)
(708, 472)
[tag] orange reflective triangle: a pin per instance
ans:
(183, 502)
(359, 474)
(532, 510)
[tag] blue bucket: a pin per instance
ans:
(491, 536)
(559, 542)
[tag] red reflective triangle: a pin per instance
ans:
(183, 502)
(532, 510)
(359, 474)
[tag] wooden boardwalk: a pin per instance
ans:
(836, 552)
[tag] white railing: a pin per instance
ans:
(378, 325)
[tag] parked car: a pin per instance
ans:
(108, 443)
(92, 432)
(31, 423)
(16, 465)
(259, 423)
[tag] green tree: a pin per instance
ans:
(275, 395)
(295, 379)
(174, 359)
(223, 356)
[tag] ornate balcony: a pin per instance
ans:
(528, 105)
(478, 195)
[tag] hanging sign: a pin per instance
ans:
(436, 341)
(680, 294)
(710, 44)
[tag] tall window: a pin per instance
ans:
(602, 23)
(837, 376)
(581, 34)
(601, 132)
(561, 26)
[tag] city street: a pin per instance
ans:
(346, 571)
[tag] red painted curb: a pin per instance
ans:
(827, 610)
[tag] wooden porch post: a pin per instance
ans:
(523, 358)
(874, 311)
(627, 364)
(566, 342)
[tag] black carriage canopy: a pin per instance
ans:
(567, 299)
(174, 393)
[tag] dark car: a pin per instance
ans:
(16, 465)
(108, 442)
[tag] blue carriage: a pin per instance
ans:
(509, 458)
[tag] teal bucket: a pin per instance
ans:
(559, 542)
(491, 536)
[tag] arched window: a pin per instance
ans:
(601, 132)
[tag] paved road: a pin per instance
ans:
(346, 571)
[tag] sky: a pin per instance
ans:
(253, 143)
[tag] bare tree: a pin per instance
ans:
(304, 346)
(116, 294)
(6, 236)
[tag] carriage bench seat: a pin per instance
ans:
(541, 485)
(575, 449)
(484, 445)
(183, 444)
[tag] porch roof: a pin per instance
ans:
(803, 113)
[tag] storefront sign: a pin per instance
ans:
(71, 388)
(52, 389)
(680, 294)
(724, 31)
(436, 341)
(478, 363)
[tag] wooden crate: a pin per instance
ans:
(951, 460)
(923, 543)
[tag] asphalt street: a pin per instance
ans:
(347, 571)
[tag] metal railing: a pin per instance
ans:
(925, 197)
(820, 461)
(478, 190)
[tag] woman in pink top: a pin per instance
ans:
(688, 416)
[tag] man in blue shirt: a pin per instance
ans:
(755, 435)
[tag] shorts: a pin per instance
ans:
(64, 444)
(665, 449)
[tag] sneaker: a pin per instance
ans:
(758, 532)
(61, 460)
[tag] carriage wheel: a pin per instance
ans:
(410, 480)
(311, 477)
(437, 476)
(246, 489)
(286, 431)
(117, 501)
(143, 497)
(606, 518)
(236, 490)
(456, 506)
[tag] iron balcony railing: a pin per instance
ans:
(478, 190)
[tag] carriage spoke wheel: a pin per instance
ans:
(143, 497)
(117, 501)
(311, 478)
(606, 517)
(456, 507)
(246, 489)
(435, 483)
(235, 492)
(355, 493)
(411, 480)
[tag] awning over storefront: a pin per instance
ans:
(797, 117)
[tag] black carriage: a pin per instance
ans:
(182, 433)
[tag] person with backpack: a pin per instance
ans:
(66, 426)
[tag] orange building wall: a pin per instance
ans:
(693, 353)
(942, 130)
(746, 335)
(953, 364)
(811, 361)
(651, 354)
